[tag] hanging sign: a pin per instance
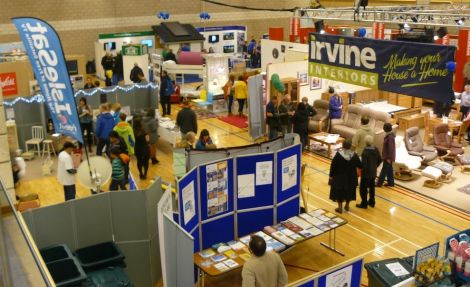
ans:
(8, 84)
(47, 59)
(414, 69)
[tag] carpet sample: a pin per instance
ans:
(239, 122)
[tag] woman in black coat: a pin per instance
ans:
(343, 176)
(300, 122)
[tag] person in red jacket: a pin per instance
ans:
(388, 157)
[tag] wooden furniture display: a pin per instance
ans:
(454, 127)
(291, 86)
(415, 120)
(322, 137)
(405, 113)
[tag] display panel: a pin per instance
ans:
(147, 42)
(229, 49)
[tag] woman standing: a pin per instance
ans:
(150, 124)
(228, 93)
(300, 122)
(86, 121)
(141, 149)
(241, 94)
(343, 176)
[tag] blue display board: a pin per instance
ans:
(348, 275)
(218, 230)
(252, 221)
(288, 182)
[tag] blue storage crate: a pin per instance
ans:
(55, 252)
(100, 255)
(66, 272)
(456, 236)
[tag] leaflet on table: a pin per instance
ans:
(264, 172)
(292, 226)
(231, 254)
(246, 185)
(332, 138)
(397, 269)
(231, 264)
(338, 220)
(218, 258)
(221, 266)
(217, 188)
(313, 220)
(300, 222)
(236, 245)
(317, 212)
(206, 253)
(189, 202)
(289, 172)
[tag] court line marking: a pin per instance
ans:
(403, 206)
(371, 223)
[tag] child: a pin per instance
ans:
(117, 175)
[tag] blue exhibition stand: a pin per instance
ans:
(192, 226)
(288, 200)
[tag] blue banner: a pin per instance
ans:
(414, 69)
(47, 58)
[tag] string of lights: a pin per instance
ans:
(40, 99)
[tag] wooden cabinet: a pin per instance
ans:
(291, 87)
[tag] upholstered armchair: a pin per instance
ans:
(404, 162)
(446, 148)
(319, 122)
(415, 146)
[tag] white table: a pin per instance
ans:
(168, 132)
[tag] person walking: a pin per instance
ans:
(273, 118)
(335, 108)
(343, 176)
(66, 171)
(166, 90)
(104, 125)
(300, 122)
(142, 149)
(228, 93)
(107, 62)
(286, 111)
(186, 119)
(117, 171)
(241, 94)
(85, 116)
(125, 131)
(358, 140)
(388, 157)
(370, 161)
(118, 70)
(150, 124)
(134, 76)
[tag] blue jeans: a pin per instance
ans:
(230, 103)
(69, 192)
(387, 171)
(117, 78)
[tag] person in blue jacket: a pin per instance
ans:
(205, 141)
(336, 107)
(104, 125)
(166, 90)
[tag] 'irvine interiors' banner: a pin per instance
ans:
(414, 69)
(47, 58)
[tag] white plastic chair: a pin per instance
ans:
(37, 138)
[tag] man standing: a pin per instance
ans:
(118, 71)
(286, 111)
(186, 119)
(388, 156)
(135, 73)
(359, 139)
(66, 171)
(263, 269)
(465, 101)
(370, 161)
(108, 64)
(166, 90)
(272, 118)
(104, 125)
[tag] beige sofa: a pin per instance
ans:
(351, 121)
(319, 122)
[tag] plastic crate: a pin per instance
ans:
(109, 277)
(456, 236)
(66, 272)
(380, 276)
(100, 255)
(55, 252)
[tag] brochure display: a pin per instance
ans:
(228, 193)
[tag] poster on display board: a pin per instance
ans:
(8, 84)
(414, 69)
(217, 188)
(289, 172)
(189, 202)
(47, 59)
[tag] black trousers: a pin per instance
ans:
(88, 127)
(143, 164)
(241, 104)
(117, 184)
(69, 192)
(101, 144)
(367, 185)
(165, 101)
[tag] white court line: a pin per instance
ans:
(373, 224)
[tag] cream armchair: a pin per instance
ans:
(405, 163)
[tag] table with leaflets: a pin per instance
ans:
(224, 257)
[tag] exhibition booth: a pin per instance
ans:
(224, 39)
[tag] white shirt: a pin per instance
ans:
(65, 162)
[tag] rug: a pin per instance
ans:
(465, 189)
(239, 122)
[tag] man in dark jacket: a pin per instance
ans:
(286, 111)
(186, 119)
(273, 118)
(388, 156)
(104, 125)
(118, 71)
(166, 90)
(135, 73)
(370, 161)
(108, 64)
(170, 56)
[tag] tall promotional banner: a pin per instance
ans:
(414, 69)
(47, 58)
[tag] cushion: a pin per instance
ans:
(344, 131)
(464, 159)
(445, 167)
(432, 172)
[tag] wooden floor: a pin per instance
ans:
(400, 223)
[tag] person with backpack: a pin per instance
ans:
(166, 90)
(117, 174)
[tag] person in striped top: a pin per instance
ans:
(117, 174)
